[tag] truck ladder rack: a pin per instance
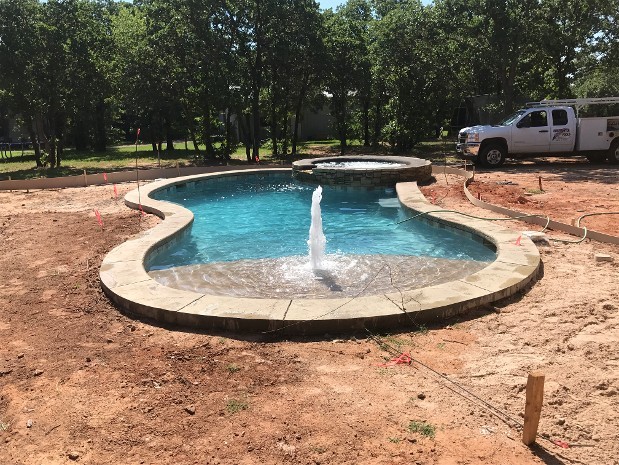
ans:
(577, 102)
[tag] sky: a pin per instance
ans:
(325, 4)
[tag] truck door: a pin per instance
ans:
(532, 133)
(562, 133)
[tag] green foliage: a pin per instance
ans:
(236, 405)
(233, 368)
(84, 73)
(423, 428)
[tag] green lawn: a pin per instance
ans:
(124, 157)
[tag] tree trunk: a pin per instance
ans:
(34, 140)
(192, 132)
(256, 79)
(377, 124)
(284, 132)
(194, 141)
(100, 142)
(341, 123)
(210, 151)
(80, 137)
(59, 151)
(153, 138)
(297, 113)
(284, 129)
(255, 129)
(51, 158)
(274, 112)
(61, 125)
(366, 122)
(247, 139)
(228, 151)
(168, 135)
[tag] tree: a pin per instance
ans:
(569, 27)
(347, 74)
(292, 66)
(403, 55)
(20, 45)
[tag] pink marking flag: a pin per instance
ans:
(115, 192)
(99, 220)
(518, 240)
(141, 209)
(105, 177)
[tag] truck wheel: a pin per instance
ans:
(613, 152)
(492, 155)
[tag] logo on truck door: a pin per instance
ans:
(612, 125)
(561, 134)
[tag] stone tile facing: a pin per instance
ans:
(411, 170)
(125, 281)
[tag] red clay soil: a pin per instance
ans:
(80, 382)
(563, 189)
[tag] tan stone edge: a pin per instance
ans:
(126, 282)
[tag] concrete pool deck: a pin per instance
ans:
(126, 282)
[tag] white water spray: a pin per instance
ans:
(317, 239)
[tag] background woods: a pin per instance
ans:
(86, 73)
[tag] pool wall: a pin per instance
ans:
(125, 280)
(409, 170)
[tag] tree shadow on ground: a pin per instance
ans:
(566, 169)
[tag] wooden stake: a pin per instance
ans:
(540, 184)
(85, 179)
(533, 406)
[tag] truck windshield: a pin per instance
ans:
(511, 118)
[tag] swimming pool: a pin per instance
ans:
(249, 238)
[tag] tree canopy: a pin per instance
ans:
(85, 72)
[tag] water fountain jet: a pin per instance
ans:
(317, 239)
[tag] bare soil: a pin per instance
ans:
(80, 382)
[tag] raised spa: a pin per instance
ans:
(362, 171)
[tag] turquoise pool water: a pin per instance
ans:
(268, 217)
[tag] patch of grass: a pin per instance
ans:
(440, 345)
(535, 191)
(4, 426)
(319, 449)
(421, 329)
(233, 368)
(423, 428)
(395, 341)
(388, 343)
(236, 405)
(394, 440)
(117, 158)
(123, 157)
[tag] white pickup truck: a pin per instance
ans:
(547, 127)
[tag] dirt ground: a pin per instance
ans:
(80, 382)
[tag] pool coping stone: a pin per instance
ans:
(125, 281)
